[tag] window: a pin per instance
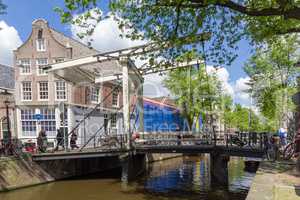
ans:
(114, 120)
(48, 122)
(43, 90)
(58, 60)
(41, 44)
(115, 98)
(24, 66)
(41, 62)
(61, 90)
(95, 94)
(26, 91)
(28, 122)
(64, 118)
(4, 128)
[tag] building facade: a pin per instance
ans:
(7, 108)
(45, 101)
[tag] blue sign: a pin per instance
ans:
(38, 116)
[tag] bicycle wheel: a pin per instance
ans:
(288, 151)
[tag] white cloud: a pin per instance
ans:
(106, 36)
(224, 78)
(240, 90)
(9, 41)
(153, 86)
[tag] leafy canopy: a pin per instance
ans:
(273, 72)
(227, 21)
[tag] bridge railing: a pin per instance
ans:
(10, 147)
(247, 140)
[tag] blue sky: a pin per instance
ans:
(21, 13)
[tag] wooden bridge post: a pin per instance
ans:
(140, 105)
(133, 166)
(219, 169)
(126, 100)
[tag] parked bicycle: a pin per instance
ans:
(290, 149)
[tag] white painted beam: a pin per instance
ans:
(102, 79)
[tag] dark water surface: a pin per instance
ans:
(184, 178)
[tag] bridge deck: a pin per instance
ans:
(143, 149)
(75, 154)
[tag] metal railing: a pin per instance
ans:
(242, 140)
(11, 147)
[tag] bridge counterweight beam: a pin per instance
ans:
(126, 100)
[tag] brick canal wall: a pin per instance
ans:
(22, 172)
(17, 173)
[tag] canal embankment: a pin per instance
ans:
(20, 172)
(275, 181)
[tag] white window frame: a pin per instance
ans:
(60, 90)
(48, 121)
(27, 122)
(94, 94)
(41, 72)
(115, 92)
(113, 124)
(43, 47)
(22, 90)
(46, 92)
(23, 66)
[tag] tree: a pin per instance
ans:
(273, 74)
(226, 20)
(195, 91)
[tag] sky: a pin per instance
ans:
(16, 28)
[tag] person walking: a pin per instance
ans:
(283, 137)
(73, 141)
(42, 141)
(59, 140)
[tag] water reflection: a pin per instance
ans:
(180, 178)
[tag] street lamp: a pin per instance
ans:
(6, 102)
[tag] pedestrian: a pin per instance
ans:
(275, 141)
(73, 140)
(59, 140)
(283, 136)
(42, 141)
(179, 137)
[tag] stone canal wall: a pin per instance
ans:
(23, 172)
(275, 181)
(17, 173)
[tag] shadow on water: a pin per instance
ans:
(177, 179)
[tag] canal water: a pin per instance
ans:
(184, 178)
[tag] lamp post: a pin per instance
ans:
(6, 102)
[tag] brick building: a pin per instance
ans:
(7, 85)
(39, 94)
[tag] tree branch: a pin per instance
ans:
(291, 13)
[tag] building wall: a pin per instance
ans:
(3, 115)
(7, 84)
(58, 46)
(161, 117)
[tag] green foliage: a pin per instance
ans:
(227, 22)
(273, 74)
(196, 92)
(243, 119)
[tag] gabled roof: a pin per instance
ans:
(79, 49)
